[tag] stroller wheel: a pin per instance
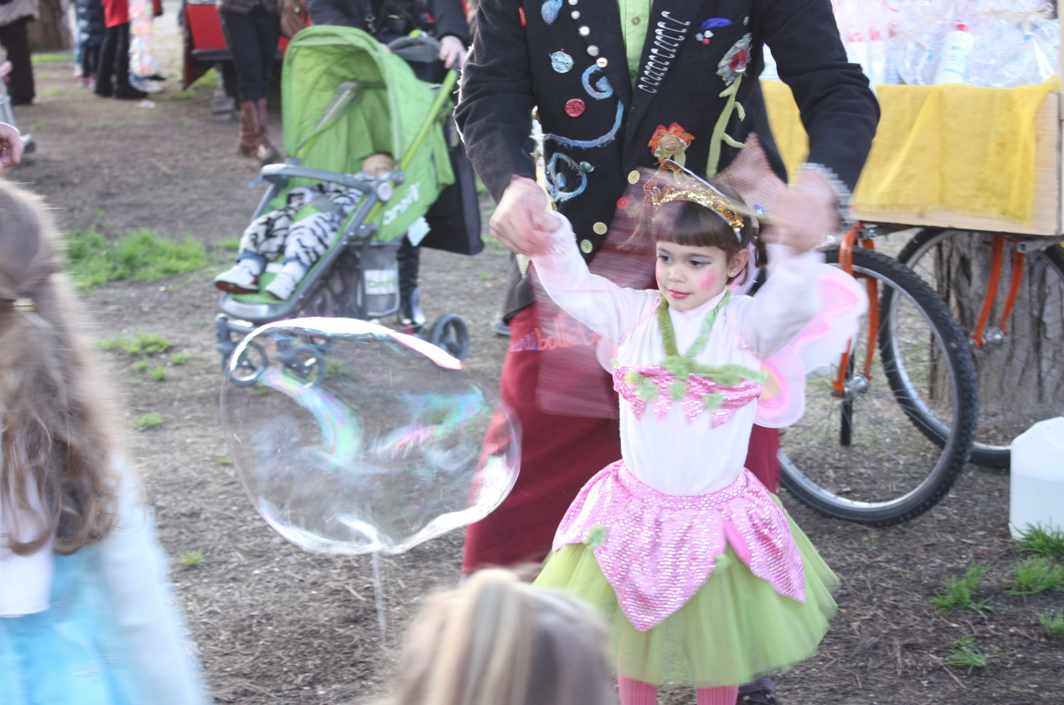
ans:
(247, 368)
(450, 334)
(303, 364)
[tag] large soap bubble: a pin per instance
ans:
(353, 438)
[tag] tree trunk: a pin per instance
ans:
(1021, 375)
(52, 31)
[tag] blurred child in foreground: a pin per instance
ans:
(497, 641)
(86, 614)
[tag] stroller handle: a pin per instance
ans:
(280, 174)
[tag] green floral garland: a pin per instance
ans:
(683, 366)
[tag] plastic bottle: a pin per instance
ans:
(953, 66)
(1036, 488)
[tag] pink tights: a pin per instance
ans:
(635, 692)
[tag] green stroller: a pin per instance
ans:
(345, 97)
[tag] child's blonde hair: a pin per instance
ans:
(497, 641)
(55, 420)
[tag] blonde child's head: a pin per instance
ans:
(56, 438)
(497, 641)
(378, 164)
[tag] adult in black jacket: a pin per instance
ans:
(382, 18)
(600, 102)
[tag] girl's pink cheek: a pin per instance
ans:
(708, 280)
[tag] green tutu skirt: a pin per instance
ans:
(735, 628)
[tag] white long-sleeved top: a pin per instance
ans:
(669, 454)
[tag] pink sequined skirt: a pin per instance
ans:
(763, 601)
(657, 550)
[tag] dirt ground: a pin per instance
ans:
(274, 624)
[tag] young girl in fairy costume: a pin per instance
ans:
(705, 579)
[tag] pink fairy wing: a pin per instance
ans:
(826, 337)
(782, 400)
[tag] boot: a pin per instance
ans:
(266, 152)
(248, 141)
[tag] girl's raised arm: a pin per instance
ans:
(788, 300)
(609, 310)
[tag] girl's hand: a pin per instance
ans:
(452, 51)
(805, 214)
(521, 222)
(10, 147)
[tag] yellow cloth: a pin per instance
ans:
(951, 147)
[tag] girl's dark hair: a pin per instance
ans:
(693, 225)
(56, 420)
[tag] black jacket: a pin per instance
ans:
(510, 71)
(448, 17)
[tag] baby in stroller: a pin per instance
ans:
(302, 230)
(351, 104)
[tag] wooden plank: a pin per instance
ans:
(1046, 205)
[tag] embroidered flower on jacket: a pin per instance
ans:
(670, 143)
(734, 62)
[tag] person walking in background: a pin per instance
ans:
(497, 641)
(112, 77)
(14, 37)
(252, 29)
(86, 614)
(92, 28)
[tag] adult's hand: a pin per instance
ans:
(452, 51)
(10, 147)
(521, 221)
(805, 214)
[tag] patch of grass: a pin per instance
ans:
(232, 244)
(223, 460)
(959, 593)
(148, 421)
(50, 58)
(52, 92)
(140, 256)
(870, 541)
(192, 559)
(140, 365)
(484, 276)
(180, 358)
(37, 127)
(966, 654)
(1036, 574)
(140, 344)
(1053, 622)
(157, 374)
(260, 391)
(183, 95)
(207, 80)
(1043, 540)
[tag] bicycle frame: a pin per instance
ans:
(846, 263)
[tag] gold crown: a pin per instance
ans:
(672, 182)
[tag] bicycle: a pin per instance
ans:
(889, 427)
(1015, 333)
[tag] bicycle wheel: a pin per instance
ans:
(1020, 369)
(857, 454)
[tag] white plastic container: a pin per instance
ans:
(956, 52)
(1036, 490)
